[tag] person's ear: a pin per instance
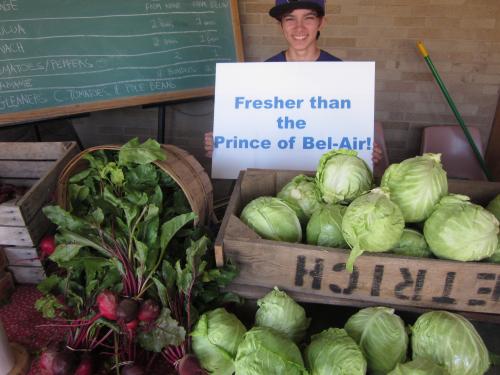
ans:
(322, 22)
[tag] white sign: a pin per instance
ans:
(286, 115)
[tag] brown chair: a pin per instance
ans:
(457, 157)
(381, 166)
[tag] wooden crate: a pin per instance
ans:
(36, 166)
(317, 274)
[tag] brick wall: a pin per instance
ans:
(462, 36)
(463, 40)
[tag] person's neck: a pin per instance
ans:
(305, 55)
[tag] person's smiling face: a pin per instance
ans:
(300, 28)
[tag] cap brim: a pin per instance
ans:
(279, 10)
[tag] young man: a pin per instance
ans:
(301, 22)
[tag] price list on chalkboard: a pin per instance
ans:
(69, 53)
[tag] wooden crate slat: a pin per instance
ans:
(33, 150)
(381, 279)
(27, 275)
(24, 168)
(22, 256)
(28, 235)
(10, 215)
(18, 236)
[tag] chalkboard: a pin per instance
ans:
(61, 57)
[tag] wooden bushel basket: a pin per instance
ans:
(186, 171)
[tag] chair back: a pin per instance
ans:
(381, 166)
(457, 157)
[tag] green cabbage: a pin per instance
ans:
(495, 258)
(371, 223)
(416, 185)
(381, 335)
(302, 195)
(265, 351)
(420, 366)
(413, 244)
(279, 311)
(334, 352)
(272, 219)
(325, 226)
(460, 230)
(341, 176)
(494, 207)
(451, 341)
(215, 340)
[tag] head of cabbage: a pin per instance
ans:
(325, 226)
(461, 230)
(215, 340)
(372, 222)
(342, 176)
(494, 207)
(413, 244)
(333, 351)
(302, 195)
(266, 351)
(272, 219)
(451, 341)
(495, 257)
(419, 366)
(416, 185)
(279, 311)
(381, 335)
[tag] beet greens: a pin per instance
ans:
(133, 271)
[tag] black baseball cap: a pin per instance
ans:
(285, 6)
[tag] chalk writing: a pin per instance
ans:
(108, 50)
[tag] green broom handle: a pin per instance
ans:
(459, 118)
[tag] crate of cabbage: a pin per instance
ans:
(426, 241)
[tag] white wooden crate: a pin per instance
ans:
(36, 166)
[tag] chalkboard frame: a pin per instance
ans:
(52, 112)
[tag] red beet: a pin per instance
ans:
(47, 245)
(107, 303)
(127, 310)
(85, 367)
(63, 363)
(132, 370)
(148, 311)
(46, 359)
(189, 365)
(132, 325)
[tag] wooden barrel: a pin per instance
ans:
(184, 169)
